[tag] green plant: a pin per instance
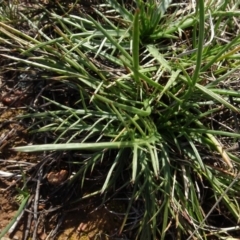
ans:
(150, 100)
(8, 10)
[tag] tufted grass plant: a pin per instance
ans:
(149, 79)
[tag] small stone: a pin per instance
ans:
(56, 178)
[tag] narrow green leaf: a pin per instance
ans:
(217, 98)
(84, 146)
(200, 41)
(135, 43)
(134, 163)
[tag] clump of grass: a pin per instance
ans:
(150, 80)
